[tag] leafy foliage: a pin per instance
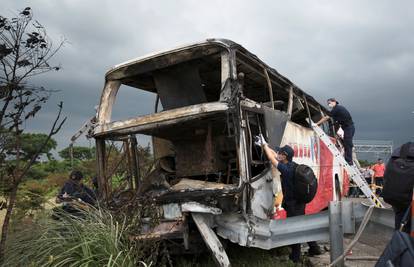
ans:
(31, 145)
(30, 199)
(79, 153)
(364, 163)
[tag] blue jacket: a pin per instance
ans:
(341, 116)
(287, 172)
(78, 191)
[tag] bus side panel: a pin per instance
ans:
(325, 181)
(310, 150)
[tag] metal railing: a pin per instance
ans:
(377, 147)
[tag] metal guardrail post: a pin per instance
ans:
(336, 235)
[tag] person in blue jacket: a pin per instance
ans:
(282, 159)
(74, 189)
(342, 118)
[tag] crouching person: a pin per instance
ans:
(75, 190)
(282, 160)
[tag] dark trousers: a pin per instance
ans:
(296, 209)
(349, 132)
(379, 181)
(399, 216)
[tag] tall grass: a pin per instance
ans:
(92, 238)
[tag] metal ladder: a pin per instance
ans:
(352, 171)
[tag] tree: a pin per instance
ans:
(79, 153)
(25, 51)
(364, 163)
(31, 144)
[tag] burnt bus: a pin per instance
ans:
(212, 99)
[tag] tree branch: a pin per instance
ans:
(57, 125)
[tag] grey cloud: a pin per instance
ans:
(361, 52)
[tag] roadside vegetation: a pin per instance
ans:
(40, 235)
(94, 238)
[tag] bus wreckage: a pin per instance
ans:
(209, 179)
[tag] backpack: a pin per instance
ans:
(400, 250)
(306, 183)
(399, 177)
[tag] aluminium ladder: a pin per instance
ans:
(352, 170)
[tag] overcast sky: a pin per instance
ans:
(361, 52)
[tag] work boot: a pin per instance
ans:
(314, 251)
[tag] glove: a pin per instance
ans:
(259, 140)
(340, 133)
(313, 124)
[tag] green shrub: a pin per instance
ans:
(57, 180)
(37, 171)
(30, 199)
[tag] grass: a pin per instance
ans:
(94, 238)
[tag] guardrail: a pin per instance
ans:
(342, 217)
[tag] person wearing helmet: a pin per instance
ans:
(74, 189)
(282, 159)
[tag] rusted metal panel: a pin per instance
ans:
(160, 118)
(172, 211)
(156, 180)
(192, 185)
(101, 167)
(251, 105)
(269, 87)
(199, 208)
(211, 239)
(225, 91)
(107, 101)
(135, 162)
(163, 60)
(243, 152)
(164, 230)
(199, 156)
(290, 103)
(257, 68)
(130, 168)
(179, 86)
(162, 148)
(261, 195)
(244, 165)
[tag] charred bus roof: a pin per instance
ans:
(200, 76)
(138, 72)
